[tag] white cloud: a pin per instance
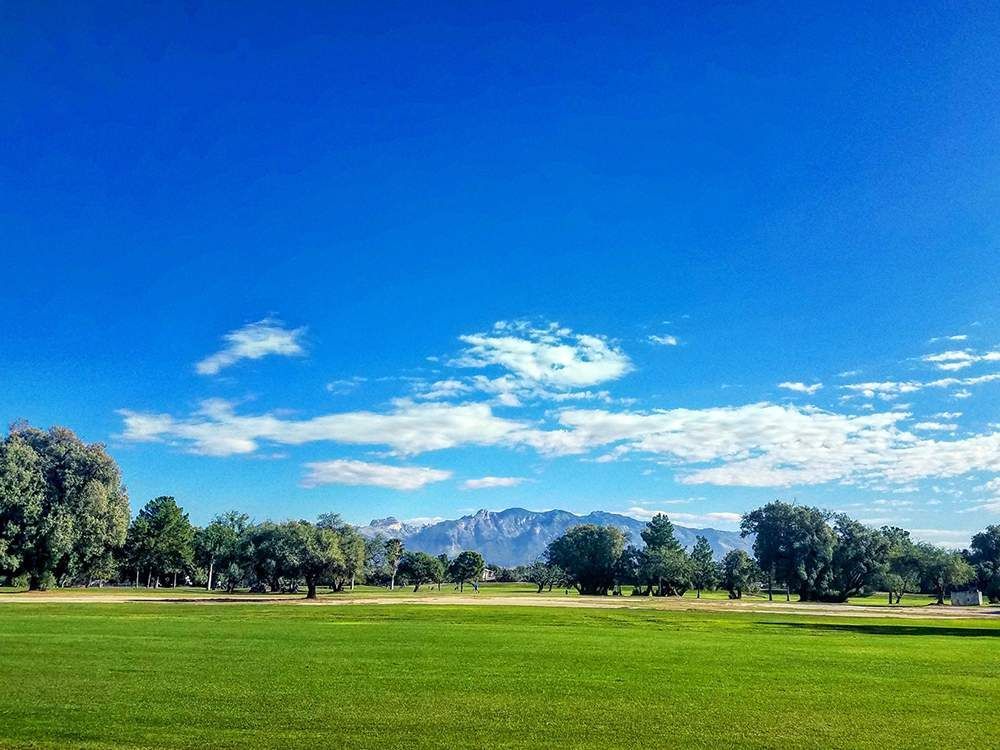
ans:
(552, 356)
(665, 340)
(959, 359)
(936, 426)
(800, 387)
(947, 415)
(671, 501)
(848, 373)
(943, 537)
(359, 473)
(956, 337)
(216, 430)
(893, 503)
(344, 386)
(724, 520)
(990, 506)
(443, 389)
(890, 389)
(762, 444)
(490, 482)
(991, 486)
(253, 341)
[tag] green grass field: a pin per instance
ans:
(487, 589)
(188, 675)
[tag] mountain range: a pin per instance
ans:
(516, 536)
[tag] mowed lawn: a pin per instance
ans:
(255, 676)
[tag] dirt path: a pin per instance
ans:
(684, 604)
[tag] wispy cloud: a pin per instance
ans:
(722, 519)
(762, 444)
(956, 337)
(800, 387)
(441, 389)
(891, 389)
(253, 341)
(959, 359)
(665, 340)
(936, 426)
(361, 473)
(343, 386)
(943, 537)
(215, 429)
(490, 482)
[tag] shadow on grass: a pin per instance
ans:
(873, 629)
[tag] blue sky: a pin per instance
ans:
(337, 258)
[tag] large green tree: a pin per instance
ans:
(419, 568)
(63, 509)
(543, 575)
(315, 553)
(740, 574)
(942, 570)
(669, 568)
(903, 564)
(589, 555)
(221, 545)
(659, 534)
(664, 561)
(860, 558)
(984, 555)
(467, 566)
(393, 558)
(793, 544)
(352, 545)
(162, 539)
(271, 560)
(704, 569)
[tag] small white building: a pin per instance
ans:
(972, 598)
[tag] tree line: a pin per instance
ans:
(65, 520)
(813, 553)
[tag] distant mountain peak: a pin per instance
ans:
(516, 536)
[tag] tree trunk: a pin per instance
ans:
(311, 589)
(211, 568)
(416, 587)
(699, 594)
(890, 597)
(149, 578)
(770, 584)
(461, 587)
(392, 582)
(34, 583)
(137, 576)
(175, 580)
(352, 581)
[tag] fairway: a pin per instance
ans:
(185, 675)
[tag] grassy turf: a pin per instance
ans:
(184, 675)
(486, 590)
